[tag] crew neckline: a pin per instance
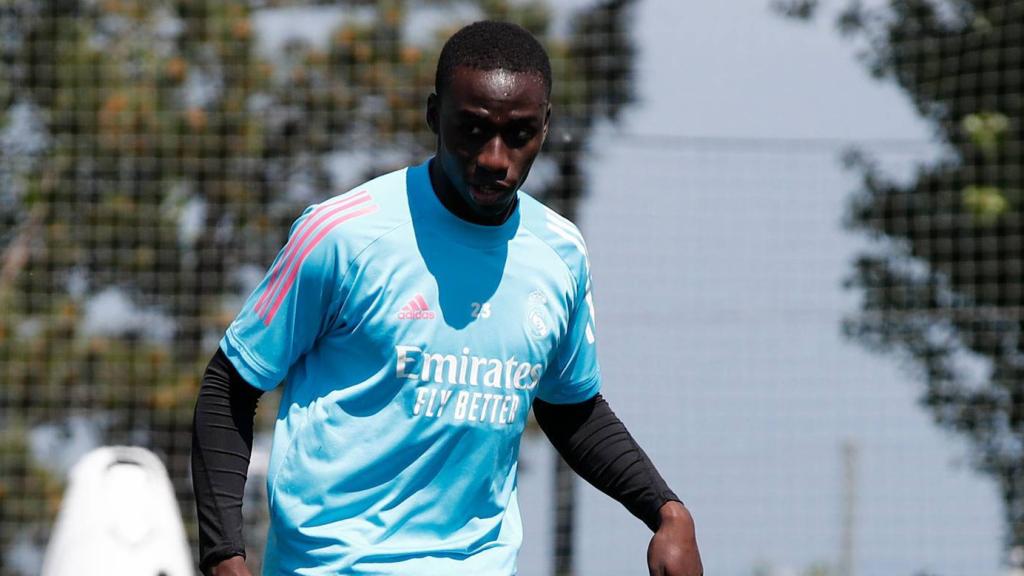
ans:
(422, 195)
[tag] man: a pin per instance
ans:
(416, 319)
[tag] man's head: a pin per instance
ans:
(492, 45)
(490, 113)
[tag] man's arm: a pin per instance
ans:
(222, 432)
(596, 444)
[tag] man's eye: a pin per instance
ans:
(520, 137)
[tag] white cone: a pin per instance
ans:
(119, 517)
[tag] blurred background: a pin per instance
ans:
(804, 218)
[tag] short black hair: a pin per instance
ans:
(490, 45)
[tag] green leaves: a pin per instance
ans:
(986, 130)
(985, 203)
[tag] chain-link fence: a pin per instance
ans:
(154, 152)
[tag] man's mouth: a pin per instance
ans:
(489, 194)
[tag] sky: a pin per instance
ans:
(714, 223)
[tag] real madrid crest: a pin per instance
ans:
(538, 320)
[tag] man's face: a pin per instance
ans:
(490, 126)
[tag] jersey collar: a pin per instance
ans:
(427, 209)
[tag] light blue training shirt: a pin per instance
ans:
(412, 344)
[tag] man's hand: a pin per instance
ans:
(234, 566)
(673, 550)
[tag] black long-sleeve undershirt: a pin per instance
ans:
(590, 437)
(222, 431)
(597, 446)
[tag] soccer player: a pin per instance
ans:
(415, 320)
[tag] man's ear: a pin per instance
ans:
(547, 119)
(433, 102)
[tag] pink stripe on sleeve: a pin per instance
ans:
(289, 279)
(312, 223)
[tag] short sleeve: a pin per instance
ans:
(296, 302)
(575, 375)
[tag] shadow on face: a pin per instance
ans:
(490, 126)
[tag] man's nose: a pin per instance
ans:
(494, 157)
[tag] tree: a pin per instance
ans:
(153, 154)
(943, 286)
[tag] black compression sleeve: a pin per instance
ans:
(221, 447)
(596, 444)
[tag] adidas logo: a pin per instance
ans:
(416, 309)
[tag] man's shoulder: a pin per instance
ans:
(357, 217)
(556, 231)
(387, 192)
